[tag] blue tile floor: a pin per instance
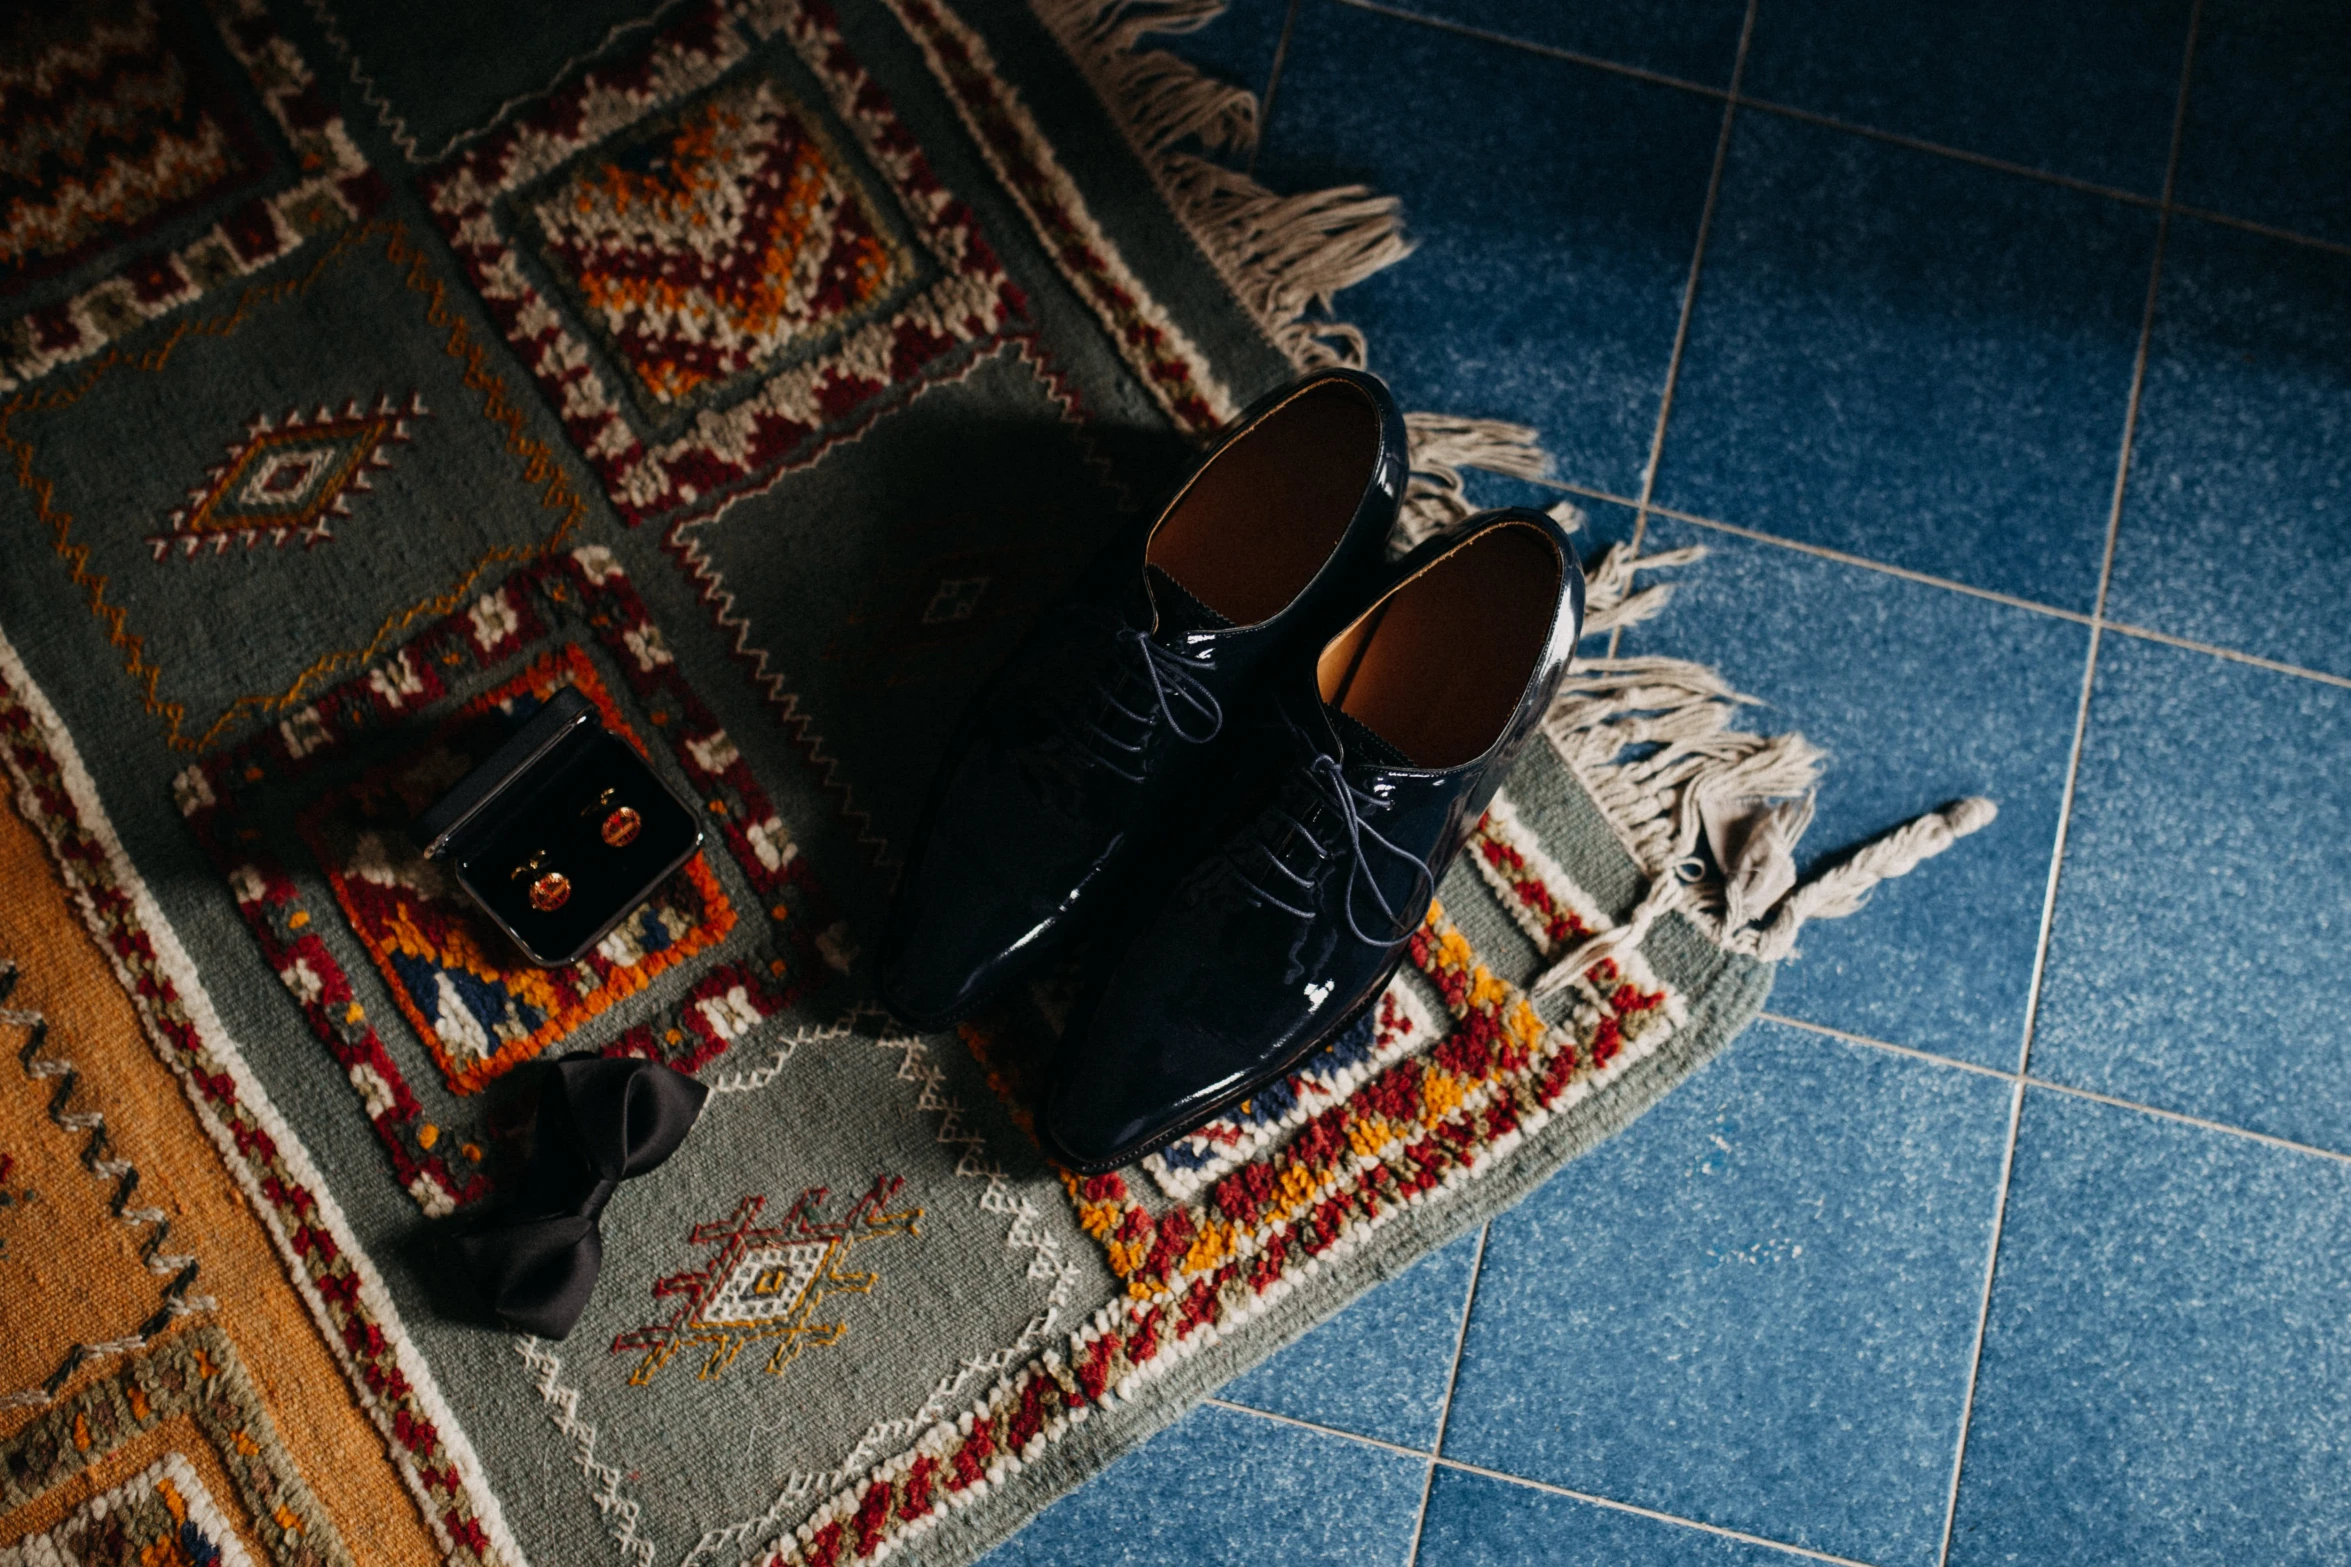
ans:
(2000, 351)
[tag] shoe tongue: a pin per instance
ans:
(1361, 742)
(1179, 612)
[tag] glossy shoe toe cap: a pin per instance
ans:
(930, 995)
(956, 935)
(1149, 1060)
(1094, 1125)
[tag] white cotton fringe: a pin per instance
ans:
(1650, 740)
(1441, 447)
(1282, 256)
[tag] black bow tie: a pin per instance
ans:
(601, 1121)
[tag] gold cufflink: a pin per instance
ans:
(621, 824)
(549, 890)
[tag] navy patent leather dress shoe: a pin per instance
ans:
(1066, 769)
(1400, 728)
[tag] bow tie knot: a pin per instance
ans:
(601, 1121)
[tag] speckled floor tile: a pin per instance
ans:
(2167, 1372)
(1380, 1367)
(1692, 40)
(1550, 300)
(1224, 1489)
(2268, 134)
(1921, 696)
(2084, 88)
(1754, 1307)
(2198, 961)
(1911, 359)
(2236, 528)
(1475, 1521)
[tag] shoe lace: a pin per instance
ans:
(1328, 784)
(1176, 697)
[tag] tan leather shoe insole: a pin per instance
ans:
(1436, 668)
(1260, 520)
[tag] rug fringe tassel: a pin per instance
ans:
(1611, 600)
(1282, 256)
(1650, 740)
(1164, 99)
(1442, 445)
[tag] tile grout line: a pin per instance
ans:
(1592, 1499)
(2190, 644)
(1428, 1480)
(1975, 1353)
(1829, 122)
(1681, 329)
(1316, 1426)
(1273, 81)
(1842, 557)
(2285, 1144)
(1887, 1045)
(2164, 203)
(1552, 51)
(1928, 579)
(2073, 771)
(2030, 606)
(1507, 1478)
(2265, 230)
(2051, 1085)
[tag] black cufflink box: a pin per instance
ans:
(561, 832)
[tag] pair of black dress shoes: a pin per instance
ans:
(1243, 750)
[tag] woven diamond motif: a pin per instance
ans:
(765, 1281)
(922, 610)
(717, 244)
(714, 273)
(768, 1282)
(284, 480)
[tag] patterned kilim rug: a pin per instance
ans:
(759, 370)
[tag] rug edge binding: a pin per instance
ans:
(181, 982)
